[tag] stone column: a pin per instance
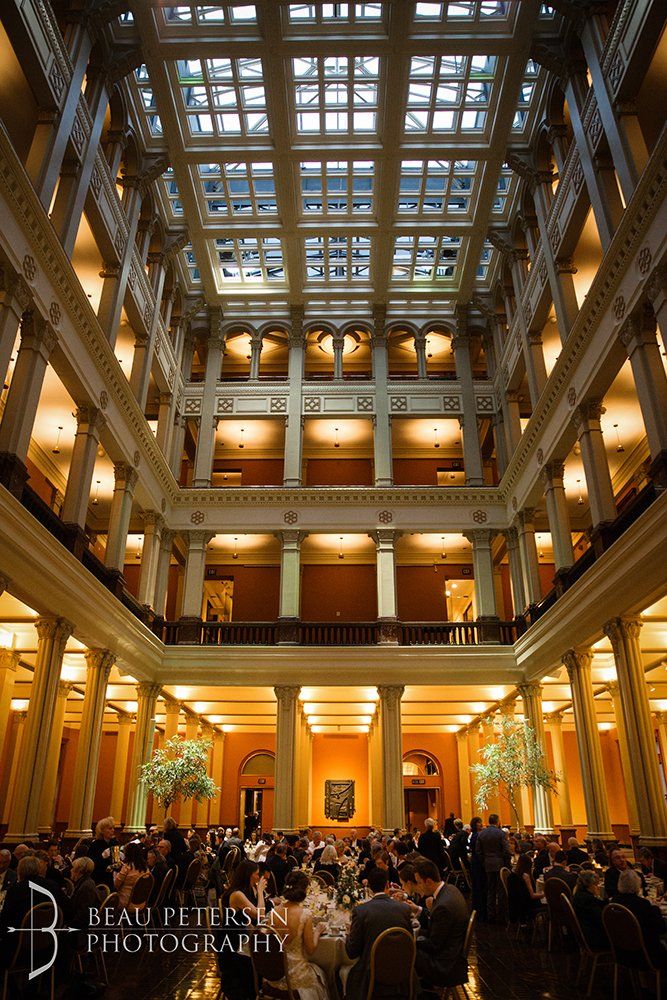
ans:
(16, 760)
(482, 557)
(531, 695)
(150, 557)
(53, 634)
(208, 421)
(638, 335)
(165, 422)
(120, 766)
(47, 804)
(382, 444)
(578, 664)
(290, 583)
(38, 340)
(218, 771)
(385, 571)
(558, 516)
(99, 663)
(9, 661)
(89, 423)
(624, 752)
(511, 419)
(114, 273)
(375, 773)
(178, 441)
(255, 356)
(143, 741)
(293, 426)
(555, 729)
(473, 750)
(559, 271)
(465, 788)
(500, 440)
(283, 812)
(125, 480)
(14, 300)
(338, 344)
(193, 582)
(516, 575)
(187, 816)
(488, 737)
(392, 756)
(586, 419)
(162, 573)
(652, 812)
(529, 559)
(420, 351)
(472, 454)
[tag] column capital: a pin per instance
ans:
(384, 536)
(172, 707)
(100, 659)
(390, 694)
(552, 473)
(89, 416)
(587, 413)
(123, 718)
(287, 694)
(165, 398)
(65, 688)
(656, 283)
(613, 688)
(37, 334)
(14, 289)
(565, 265)
(9, 659)
(291, 538)
(152, 520)
(577, 661)
(511, 536)
(661, 718)
(197, 539)
(147, 690)
(639, 327)
(125, 476)
(529, 689)
(619, 629)
(57, 629)
(167, 537)
(462, 735)
(481, 537)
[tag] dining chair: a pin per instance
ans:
(554, 888)
(447, 992)
(628, 947)
(586, 953)
(270, 969)
(33, 950)
(392, 963)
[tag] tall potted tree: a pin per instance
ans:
(513, 761)
(177, 771)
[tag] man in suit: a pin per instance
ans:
(576, 855)
(158, 868)
(651, 865)
(431, 845)
(369, 920)
(494, 852)
(649, 917)
(559, 870)
(20, 899)
(441, 959)
(7, 874)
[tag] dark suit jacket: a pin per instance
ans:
(651, 922)
(369, 919)
(557, 871)
(440, 957)
(589, 911)
(6, 878)
(577, 856)
(431, 846)
(18, 902)
(493, 848)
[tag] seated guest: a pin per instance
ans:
(364, 851)
(130, 873)
(316, 845)
(576, 855)
(650, 865)
(617, 863)
(369, 920)
(280, 866)
(559, 870)
(431, 844)
(7, 874)
(164, 850)
(523, 901)
(355, 842)
(21, 898)
(84, 896)
(409, 893)
(48, 871)
(542, 859)
(600, 854)
(242, 904)
(649, 917)
(328, 862)
(20, 851)
(158, 868)
(588, 906)
(100, 850)
(440, 951)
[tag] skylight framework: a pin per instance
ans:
(338, 258)
(249, 260)
(238, 189)
(436, 187)
(336, 94)
(336, 187)
(210, 14)
(449, 93)
(425, 257)
(334, 13)
(223, 97)
(462, 10)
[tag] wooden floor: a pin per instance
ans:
(500, 969)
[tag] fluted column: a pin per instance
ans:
(255, 356)
(14, 300)
(638, 335)
(9, 661)
(472, 454)
(558, 515)
(465, 787)
(283, 813)
(375, 773)
(208, 421)
(150, 557)
(89, 423)
(382, 445)
(166, 415)
(143, 741)
(651, 809)
(578, 665)
(53, 634)
(529, 559)
(16, 758)
(385, 572)
(216, 817)
(193, 581)
(531, 695)
(420, 351)
(624, 752)
(187, 816)
(392, 755)
(47, 805)
(293, 425)
(114, 273)
(338, 345)
(125, 481)
(489, 737)
(177, 444)
(555, 730)
(99, 663)
(120, 760)
(290, 575)
(586, 420)
(516, 575)
(162, 572)
(482, 556)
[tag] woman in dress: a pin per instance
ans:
(100, 851)
(243, 904)
(328, 862)
(125, 880)
(295, 926)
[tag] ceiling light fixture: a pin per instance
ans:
(336, 441)
(619, 447)
(96, 498)
(140, 548)
(580, 499)
(235, 554)
(341, 554)
(443, 554)
(56, 450)
(427, 345)
(436, 443)
(241, 444)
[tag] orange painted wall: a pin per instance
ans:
(131, 576)
(418, 471)
(442, 746)
(507, 611)
(256, 591)
(421, 591)
(339, 472)
(259, 472)
(38, 482)
(340, 757)
(547, 573)
(238, 746)
(105, 776)
(68, 757)
(348, 589)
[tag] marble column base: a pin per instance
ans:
(13, 473)
(389, 631)
(188, 633)
(489, 629)
(658, 469)
(288, 631)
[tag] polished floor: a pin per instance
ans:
(500, 969)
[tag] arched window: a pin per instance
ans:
(416, 764)
(259, 763)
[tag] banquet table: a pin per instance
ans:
(330, 956)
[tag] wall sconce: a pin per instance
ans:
(580, 499)
(336, 441)
(341, 554)
(96, 498)
(241, 444)
(436, 443)
(235, 554)
(619, 447)
(56, 449)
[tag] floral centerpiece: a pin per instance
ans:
(348, 890)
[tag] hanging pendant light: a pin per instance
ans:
(341, 554)
(336, 441)
(56, 449)
(241, 444)
(96, 498)
(235, 554)
(443, 554)
(580, 499)
(436, 443)
(619, 446)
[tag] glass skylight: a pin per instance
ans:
(463, 10)
(338, 258)
(191, 262)
(485, 260)
(504, 189)
(436, 186)
(526, 96)
(223, 97)
(250, 260)
(170, 188)
(147, 98)
(336, 94)
(449, 93)
(238, 188)
(323, 13)
(210, 13)
(422, 257)
(336, 187)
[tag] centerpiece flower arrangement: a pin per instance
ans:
(348, 890)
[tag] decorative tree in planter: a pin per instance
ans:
(178, 771)
(515, 760)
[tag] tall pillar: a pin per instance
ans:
(53, 634)
(651, 809)
(465, 788)
(385, 540)
(216, 816)
(16, 759)
(143, 741)
(529, 558)
(558, 515)
(510, 405)
(555, 729)
(624, 752)
(293, 425)
(578, 665)
(193, 580)
(120, 760)
(392, 756)
(560, 271)
(489, 737)
(290, 583)
(472, 454)
(89, 423)
(420, 351)
(531, 695)
(638, 335)
(177, 444)
(150, 557)
(382, 444)
(596, 469)
(38, 340)
(115, 274)
(98, 663)
(125, 480)
(338, 344)
(482, 557)
(255, 356)
(166, 416)
(9, 661)
(14, 300)
(283, 812)
(473, 750)
(187, 816)
(208, 421)
(500, 441)
(162, 572)
(47, 804)
(516, 575)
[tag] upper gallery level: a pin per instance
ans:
(335, 267)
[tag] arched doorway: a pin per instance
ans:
(422, 788)
(256, 787)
